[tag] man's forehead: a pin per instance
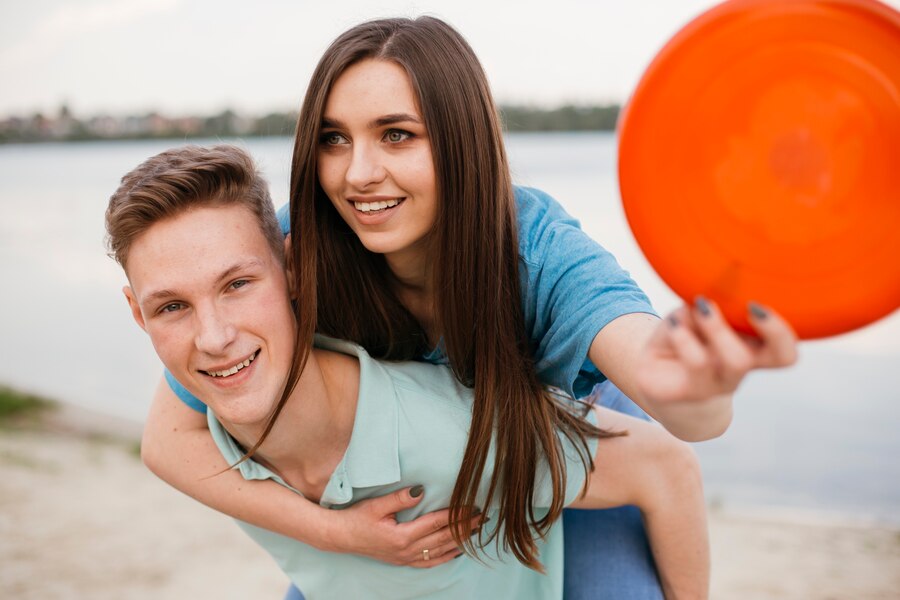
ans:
(199, 246)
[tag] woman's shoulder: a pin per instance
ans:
(540, 219)
(535, 206)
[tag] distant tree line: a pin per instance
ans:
(564, 118)
(64, 126)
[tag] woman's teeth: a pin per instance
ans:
(234, 369)
(380, 205)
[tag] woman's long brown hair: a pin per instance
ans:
(474, 249)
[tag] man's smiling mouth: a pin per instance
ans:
(234, 368)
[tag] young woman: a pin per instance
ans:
(407, 224)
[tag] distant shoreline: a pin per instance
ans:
(66, 127)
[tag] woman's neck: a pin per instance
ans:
(311, 434)
(412, 271)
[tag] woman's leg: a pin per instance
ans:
(607, 553)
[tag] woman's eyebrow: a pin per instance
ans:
(330, 123)
(391, 119)
(394, 118)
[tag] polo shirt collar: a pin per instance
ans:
(373, 454)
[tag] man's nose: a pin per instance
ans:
(215, 332)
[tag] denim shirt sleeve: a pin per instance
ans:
(571, 288)
(184, 395)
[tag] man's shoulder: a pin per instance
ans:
(409, 379)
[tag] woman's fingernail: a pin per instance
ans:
(673, 321)
(416, 491)
(702, 305)
(758, 311)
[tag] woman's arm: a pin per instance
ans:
(178, 448)
(660, 475)
(683, 370)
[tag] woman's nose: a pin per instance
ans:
(366, 167)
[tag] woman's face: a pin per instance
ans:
(374, 159)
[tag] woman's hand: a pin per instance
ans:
(694, 357)
(370, 528)
(684, 369)
(694, 354)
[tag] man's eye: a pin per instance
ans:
(396, 136)
(239, 283)
(173, 307)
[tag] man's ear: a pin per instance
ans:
(289, 268)
(135, 307)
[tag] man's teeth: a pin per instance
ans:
(380, 205)
(233, 369)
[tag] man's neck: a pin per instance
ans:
(311, 434)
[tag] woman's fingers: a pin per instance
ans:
(436, 558)
(710, 350)
(779, 342)
(436, 537)
(685, 343)
(730, 355)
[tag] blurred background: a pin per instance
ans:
(817, 441)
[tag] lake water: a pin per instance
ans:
(823, 437)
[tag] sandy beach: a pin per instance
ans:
(81, 518)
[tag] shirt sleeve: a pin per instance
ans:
(184, 395)
(284, 221)
(571, 288)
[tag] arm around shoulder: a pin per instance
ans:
(178, 448)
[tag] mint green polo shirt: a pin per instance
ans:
(411, 427)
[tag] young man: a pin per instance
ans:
(196, 233)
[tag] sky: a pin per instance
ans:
(201, 56)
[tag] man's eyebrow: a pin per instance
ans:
(391, 119)
(165, 294)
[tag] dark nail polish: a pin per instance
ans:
(758, 311)
(416, 491)
(673, 321)
(702, 305)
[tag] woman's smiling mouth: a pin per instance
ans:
(376, 205)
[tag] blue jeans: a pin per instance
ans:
(607, 552)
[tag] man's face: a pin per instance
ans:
(213, 297)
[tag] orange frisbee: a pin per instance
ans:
(759, 160)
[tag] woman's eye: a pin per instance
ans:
(396, 136)
(239, 284)
(333, 139)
